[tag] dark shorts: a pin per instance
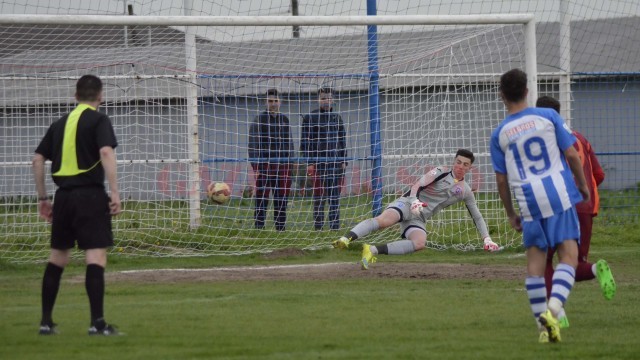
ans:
(81, 215)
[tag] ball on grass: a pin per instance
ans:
(219, 192)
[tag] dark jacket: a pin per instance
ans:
(323, 138)
(270, 139)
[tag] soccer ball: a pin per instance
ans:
(219, 192)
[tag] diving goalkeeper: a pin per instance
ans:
(433, 192)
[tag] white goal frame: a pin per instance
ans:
(528, 20)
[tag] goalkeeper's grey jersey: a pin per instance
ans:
(446, 191)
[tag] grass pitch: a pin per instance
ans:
(342, 318)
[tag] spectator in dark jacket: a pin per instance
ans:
(270, 153)
(323, 146)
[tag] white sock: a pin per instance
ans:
(373, 249)
(401, 247)
(537, 296)
(561, 313)
(366, 227)
(594, 270)
(563, 280)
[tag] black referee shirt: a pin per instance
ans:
(94, 131)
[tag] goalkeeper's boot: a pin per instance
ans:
(367, 257)
(48, 329)
(605, 278)
(544, 337)
(342, 243)
(551, 324)
(101, 328)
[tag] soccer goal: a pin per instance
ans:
(183, 92)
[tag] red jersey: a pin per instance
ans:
(592, 172)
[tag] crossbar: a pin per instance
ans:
(118, 20)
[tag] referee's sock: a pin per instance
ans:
(94, 284)
(50, 286)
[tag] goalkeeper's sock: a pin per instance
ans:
(94, 284)
(401, 247)
(351, 236)
(563, 280)
(537, 296)
(363, 229)
(50, 286)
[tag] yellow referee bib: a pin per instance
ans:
(69, 162)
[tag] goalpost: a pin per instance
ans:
(182, 92)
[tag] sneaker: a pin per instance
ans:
(342, 243)
(367, 257)
(107, 330)
(605, 278)
(48, 329)
(563, 322)
(544, 337)
(551, 324)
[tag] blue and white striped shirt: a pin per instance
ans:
(529, 147)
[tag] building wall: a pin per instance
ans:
(432, 124)
(606, 111)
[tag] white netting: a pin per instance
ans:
(437, 93)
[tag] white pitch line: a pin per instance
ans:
(238, 268)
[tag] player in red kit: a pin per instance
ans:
(586, 210)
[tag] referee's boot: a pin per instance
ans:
(101, 328)
(48, 329)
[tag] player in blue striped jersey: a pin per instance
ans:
(533, 155)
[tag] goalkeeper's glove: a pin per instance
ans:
(416, 207)
(489, 245)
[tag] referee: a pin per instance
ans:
(80, 146)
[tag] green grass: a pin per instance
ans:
(347, 319)
(620, 207)
(162, 228)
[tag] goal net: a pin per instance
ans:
(182, 100)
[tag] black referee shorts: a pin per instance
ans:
(81, 215)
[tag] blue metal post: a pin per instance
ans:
(374, 111)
